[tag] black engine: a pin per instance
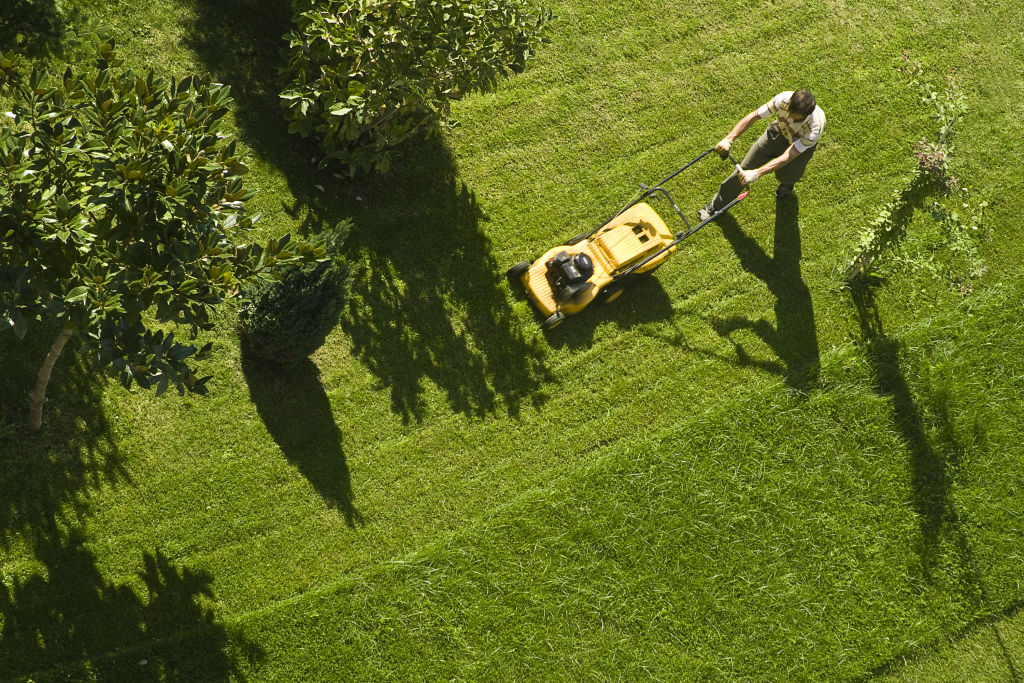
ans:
(568, 275)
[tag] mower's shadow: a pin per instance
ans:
(644, 301)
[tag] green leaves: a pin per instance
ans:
(117, 194)
(78, 294)
(366, 76)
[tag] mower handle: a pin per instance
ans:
(646, 192)
(682, 236)
(657, 188)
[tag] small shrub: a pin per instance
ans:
(933, 160)
(284, 321)
(887, 230)
(364, 76)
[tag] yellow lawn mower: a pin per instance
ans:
(599, 264)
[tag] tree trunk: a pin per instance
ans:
(38, 395)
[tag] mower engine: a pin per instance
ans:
(568, 274)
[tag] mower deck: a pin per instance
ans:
(623, 241)
(598, 264)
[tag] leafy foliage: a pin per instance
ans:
(888, 229)
(284, 321)
(364, 76)
(948, 248)
(13, 68)
(117, 197)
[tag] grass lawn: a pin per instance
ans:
(736, 470)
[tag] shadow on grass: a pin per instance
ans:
(240, 42)
(794, 337)
(69, 623)
(47, 475)
(935, 450)
(296, 411)
(641, 302)
(35, 28)
(929, 467)
(428, 303)
(67, 619)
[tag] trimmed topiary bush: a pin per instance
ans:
(364, 76)
(284, 321)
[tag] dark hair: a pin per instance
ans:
(803, 102)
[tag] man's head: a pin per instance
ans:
(801, 105)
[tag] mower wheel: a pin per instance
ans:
(610, 292)
(554, 320)
(517, 271)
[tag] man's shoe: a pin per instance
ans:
(704, 215)
(783, 191)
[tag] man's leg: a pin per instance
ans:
(789, 174)
(770, 145)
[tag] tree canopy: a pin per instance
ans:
(120, 200)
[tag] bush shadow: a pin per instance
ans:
(69, 623)
(46, 476)
(936, 451)
(794, 337)
(296, 411)
(427, 301)
(250, 64)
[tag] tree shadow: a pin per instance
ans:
(936, 450)
(35, 28)
(794, 337)
(47, 475)
(428, 302)
(296, 411)
(249, 60)
(930, 480)
(68, 622)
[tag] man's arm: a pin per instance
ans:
(741, 127)
(748, 177)
(738, 130)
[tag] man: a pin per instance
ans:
(784, 148)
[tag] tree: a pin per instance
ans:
(118, 195)
(364, 76)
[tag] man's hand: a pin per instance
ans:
(723, 147)
(750, 177)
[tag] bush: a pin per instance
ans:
(364, 76)
(284, 321)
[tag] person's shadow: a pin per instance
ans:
(793, 338)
